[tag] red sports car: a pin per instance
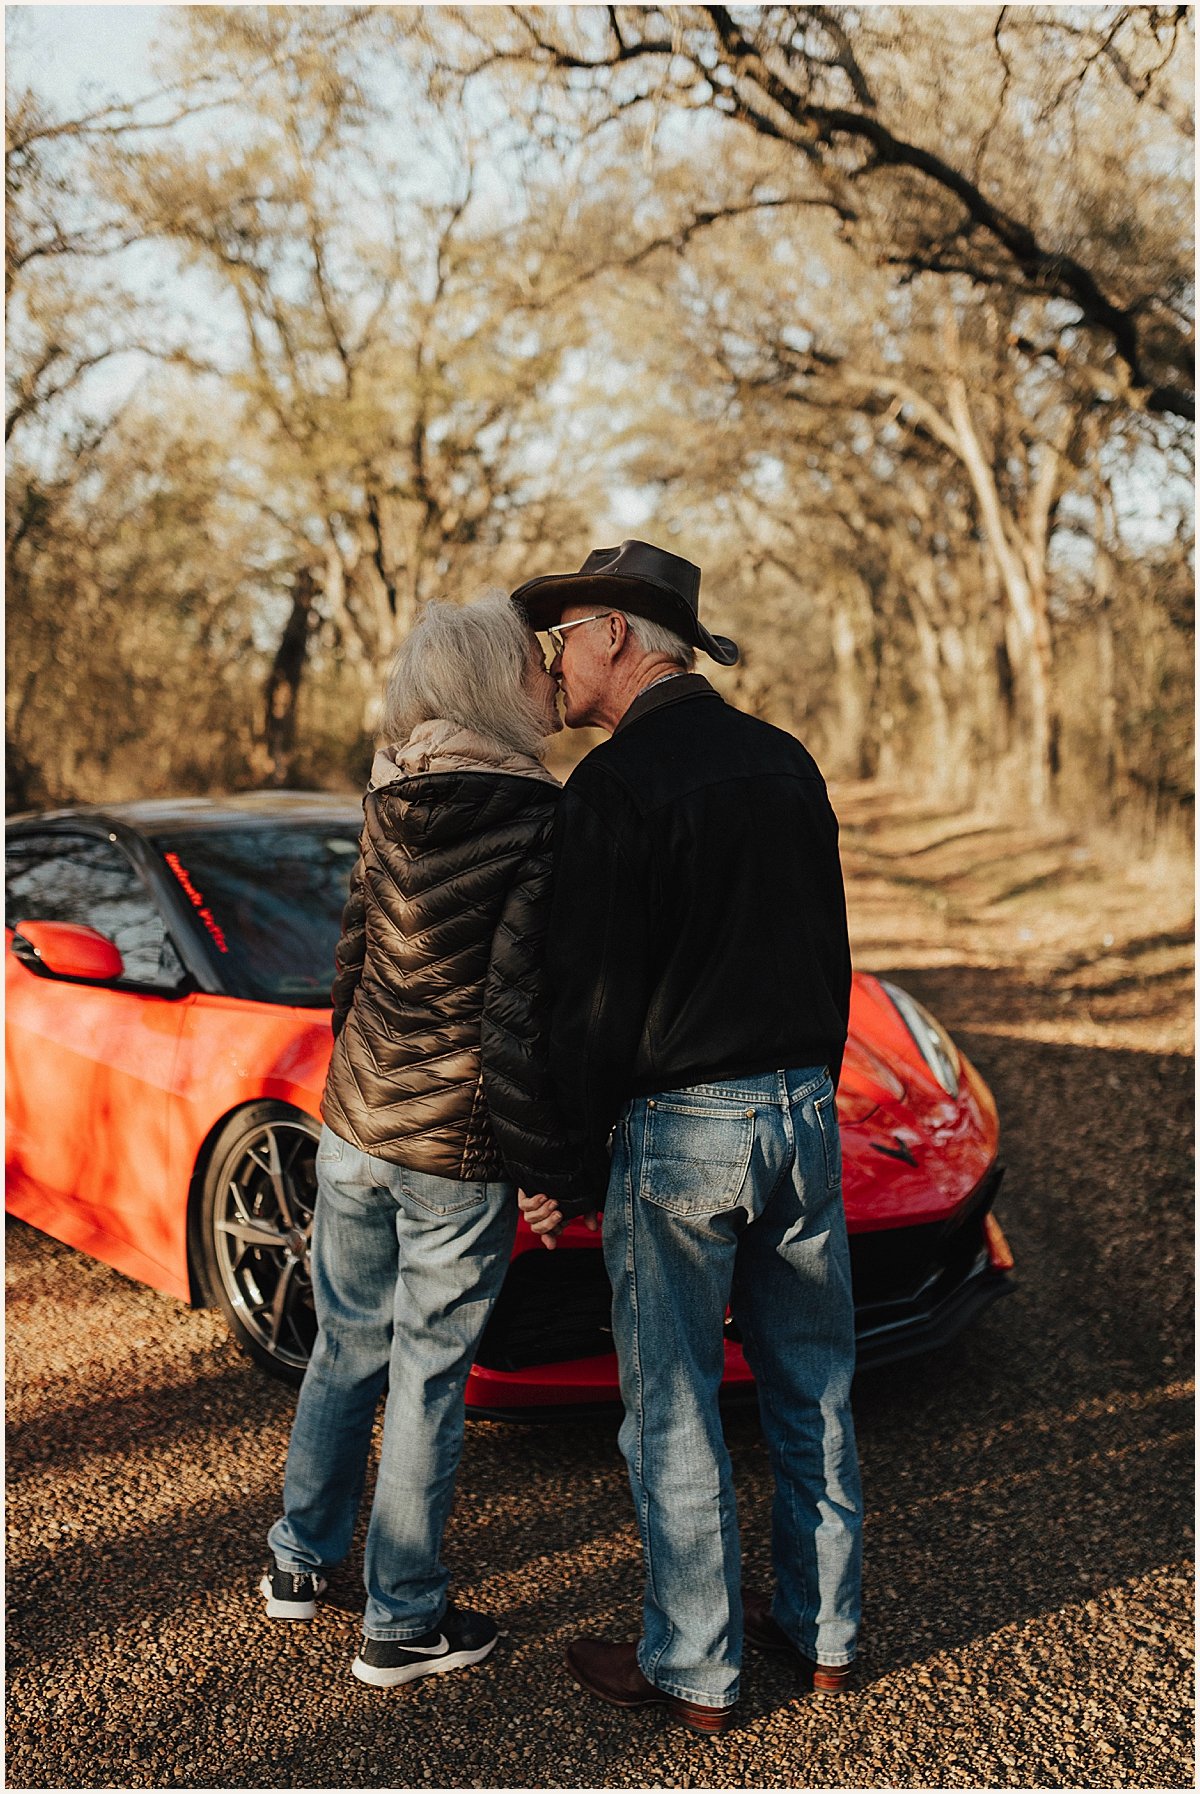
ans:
(168, 967)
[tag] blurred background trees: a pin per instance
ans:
(883, 315)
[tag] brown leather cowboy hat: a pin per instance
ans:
(636, 577)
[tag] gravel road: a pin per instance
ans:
(1028, 1537)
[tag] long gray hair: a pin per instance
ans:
(465, 663)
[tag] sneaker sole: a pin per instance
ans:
(412, 1672)
(289, 1610)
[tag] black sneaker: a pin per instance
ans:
(291, 1597)
(461, 1638)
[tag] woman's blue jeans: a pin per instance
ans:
(405, 1270)
(729, 1195)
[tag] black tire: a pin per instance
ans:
(254, 1226)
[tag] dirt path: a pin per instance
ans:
(1033, 932)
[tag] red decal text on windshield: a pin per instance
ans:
(198, 903)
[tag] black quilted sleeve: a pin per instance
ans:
(515, 1044)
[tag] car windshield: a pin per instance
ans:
(269, 902)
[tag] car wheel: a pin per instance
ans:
(255, 1226)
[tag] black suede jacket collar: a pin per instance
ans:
(673, 688)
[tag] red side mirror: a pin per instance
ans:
(67, 950)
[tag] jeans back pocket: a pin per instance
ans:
(442, 1196)
(695, 1157)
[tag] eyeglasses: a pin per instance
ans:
(560, 629)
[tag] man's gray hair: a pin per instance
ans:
(465, 663)
(655, 638)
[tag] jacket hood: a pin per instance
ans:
(443, 746)
(441, 787)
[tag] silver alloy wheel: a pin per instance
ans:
(261, 1229)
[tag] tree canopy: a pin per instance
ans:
(882, 314)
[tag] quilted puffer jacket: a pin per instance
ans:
(440, 1056)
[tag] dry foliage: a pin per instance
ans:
(883, 315)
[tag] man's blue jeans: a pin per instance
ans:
(405, 1268)
(730, 1195)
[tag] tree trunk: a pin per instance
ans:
(851, 693)
(1028, 634)
(922, 605)
(1107, 711)
(283, 681)
(1106, 706)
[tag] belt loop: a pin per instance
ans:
(783, 1089)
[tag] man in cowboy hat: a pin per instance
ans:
(700, 971)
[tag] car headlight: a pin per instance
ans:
(932, 1041)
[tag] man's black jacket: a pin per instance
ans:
(698, 919)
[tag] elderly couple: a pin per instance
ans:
(627, 994)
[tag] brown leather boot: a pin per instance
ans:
(767, 1635)
(611, 1671)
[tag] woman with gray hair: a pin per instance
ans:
(436, 1099)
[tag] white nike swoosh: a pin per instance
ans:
(440, 1649)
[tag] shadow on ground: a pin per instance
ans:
(1028, 1492)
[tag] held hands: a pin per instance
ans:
(545, 1218)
